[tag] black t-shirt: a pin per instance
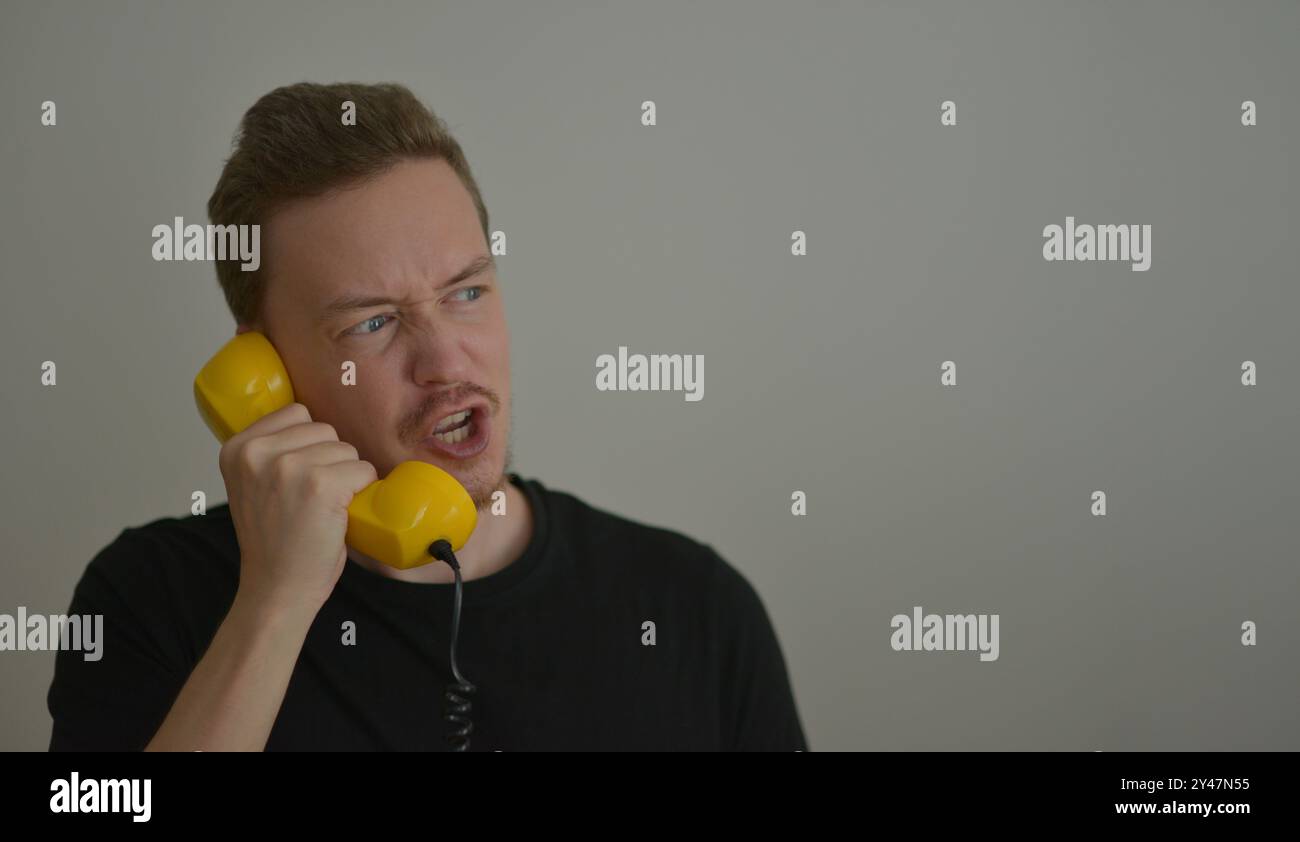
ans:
(555, 644)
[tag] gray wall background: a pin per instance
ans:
(821, 372)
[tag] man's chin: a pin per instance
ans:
(484, 499)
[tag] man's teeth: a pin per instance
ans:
(460, 433)
(452, 420)
(456, 435)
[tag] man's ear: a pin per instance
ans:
(243, 329)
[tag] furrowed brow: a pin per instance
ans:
(348, 302)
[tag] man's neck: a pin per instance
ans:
(497, 542)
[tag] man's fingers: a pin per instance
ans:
(324, 453)
(273, 422)
(351, 476)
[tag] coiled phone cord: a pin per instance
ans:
(457, 694)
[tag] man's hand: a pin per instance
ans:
(289, 481)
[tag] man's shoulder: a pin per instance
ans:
(173, 548)
(599, 536)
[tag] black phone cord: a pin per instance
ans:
(457, 694)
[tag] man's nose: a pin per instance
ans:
(441, 356)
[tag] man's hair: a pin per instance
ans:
(293, 143)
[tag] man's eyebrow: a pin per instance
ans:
(348, 302)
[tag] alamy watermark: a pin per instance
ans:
(945, 633)
(209, 242)
(93, 795)
(1098, 242)
(49, 632)
(652, 373)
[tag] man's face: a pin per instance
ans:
(362, 275)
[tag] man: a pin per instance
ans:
(254, 626)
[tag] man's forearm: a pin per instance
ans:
(232, 698)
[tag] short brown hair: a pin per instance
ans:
(292, 144)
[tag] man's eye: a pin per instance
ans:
(478, 292)
(369, 326)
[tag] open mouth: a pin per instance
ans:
(460, 434)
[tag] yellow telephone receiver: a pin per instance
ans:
(395, 519)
